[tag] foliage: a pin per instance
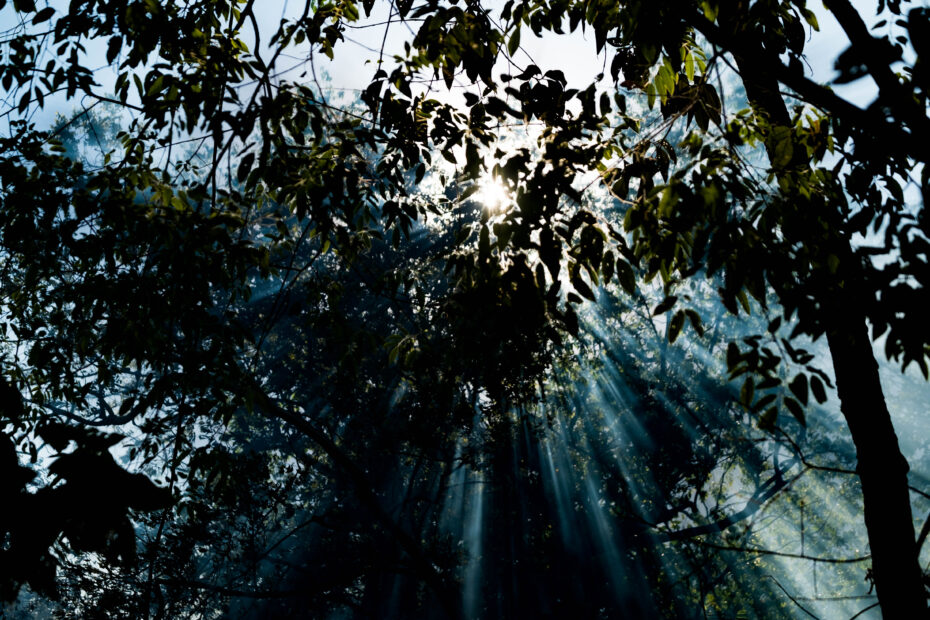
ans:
(369, 397)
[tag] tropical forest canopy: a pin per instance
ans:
(473, 340)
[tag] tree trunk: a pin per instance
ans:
(882, 469)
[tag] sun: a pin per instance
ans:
(493, 194)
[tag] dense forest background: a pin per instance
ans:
(481, 338)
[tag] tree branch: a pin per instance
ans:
(766, 491)
(821, 96)
(782, 554)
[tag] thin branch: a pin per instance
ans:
(872, 606)
(782, 554)
(794, 600)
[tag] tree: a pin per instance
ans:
(826, 275)
(273, 229)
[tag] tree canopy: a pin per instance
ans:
(474, 341)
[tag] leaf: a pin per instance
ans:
(666, 305)
(796, 410)
(747, 392)
(817, 388)
(24, 101)
(114, 45)
(513, 44)
(245, 166)
(689, 66)
(626, 276)
(763, 402)
(529, 72)
(607, 266)
(769, 383)
(710, 9)
(781, 147)
(675, 325)
(393, 354)
(582, 287)
(768, 419)
(156, 86)
(744, 301)
(811, 18)
(696, 322)
(44, 15)
(798, 387)
(734, 357)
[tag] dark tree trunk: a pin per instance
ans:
(882, 470)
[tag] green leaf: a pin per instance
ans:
(744, 301)
(513, 44)
(710, 9)
(156, 86)
(747, 392)
(781, 146)
(811, 18)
